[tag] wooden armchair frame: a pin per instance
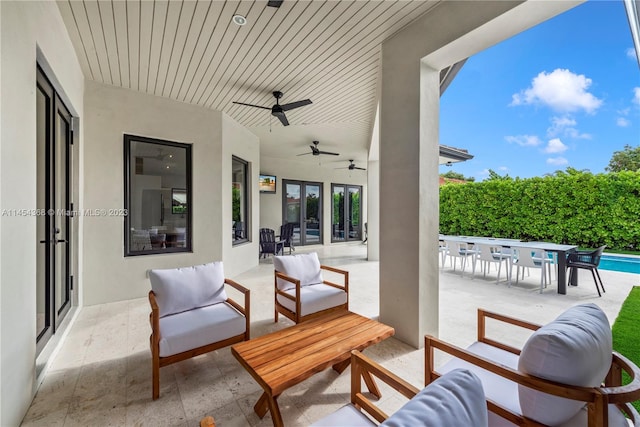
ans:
(296, 317)
(363, 369)
(154, 318)
(596, 398)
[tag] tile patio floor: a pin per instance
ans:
(101, 375)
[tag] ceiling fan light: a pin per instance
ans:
(239, 20)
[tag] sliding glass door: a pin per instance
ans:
(346, 213)
(302, 206)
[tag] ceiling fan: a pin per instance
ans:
(316, 152)
(160, 156)
(278, 110)
(352, 166)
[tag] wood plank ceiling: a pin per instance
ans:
(191, 51)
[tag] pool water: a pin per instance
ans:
(623, 264)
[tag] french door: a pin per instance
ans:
(54, 218)
(346, 212)
(302, 206)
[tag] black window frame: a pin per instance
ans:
(188, 246)
(246, 230)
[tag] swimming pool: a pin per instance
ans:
(625, 264)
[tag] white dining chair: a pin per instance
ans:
(531, 258)
(461, 250)
(488, 254)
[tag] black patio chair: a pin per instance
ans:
(588, 260)
(268, 243)
(286, 235)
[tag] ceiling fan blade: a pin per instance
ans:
(282, 118)
(251, 105)
(297, 104)
(329, 153)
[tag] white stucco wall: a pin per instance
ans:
(24, 27)
(239, 142)
(112, 112)
(325, 172)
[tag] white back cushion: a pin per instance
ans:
(304, 267)
(454, 399)
(182, 289)
(574, 349)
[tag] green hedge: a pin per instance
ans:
(575, 208)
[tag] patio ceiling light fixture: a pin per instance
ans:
(239, 20)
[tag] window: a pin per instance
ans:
(157, 196)
(240, 200)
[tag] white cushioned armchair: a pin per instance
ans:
(192, 315)
(566, 374)
(300, 291)
(455, 399)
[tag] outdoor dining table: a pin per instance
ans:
(559, 249)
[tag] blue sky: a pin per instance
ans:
(564, 93)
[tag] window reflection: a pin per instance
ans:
(157, 189)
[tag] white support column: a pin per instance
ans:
(409, 115)
(409, 196)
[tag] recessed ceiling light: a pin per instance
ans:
(239, 19)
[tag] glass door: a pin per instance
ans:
(346, 213)
(312, 213)
(54, 279)
(337, 213)
(302, 206)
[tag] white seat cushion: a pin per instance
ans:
(303, 267)
(182, 289)
(314, 298)
(496, 388)
(616, 419)
(201, 326)
(347, 416)
(455, 399)
(574, 349)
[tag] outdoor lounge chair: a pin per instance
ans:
(566, 374)
(300, 291)
(455, 399)
(286, 235)
(587, 260)
(192, 315)
(268, 243)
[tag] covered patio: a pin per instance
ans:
(102, 372)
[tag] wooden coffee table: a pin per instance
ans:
(282, 359)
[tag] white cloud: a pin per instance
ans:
(557, 161)
(555, 146)
(524, 140)
(575, 134)
(622, 122)
(561, 90)
(565, 126)
(636, 95)
(631, 53)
